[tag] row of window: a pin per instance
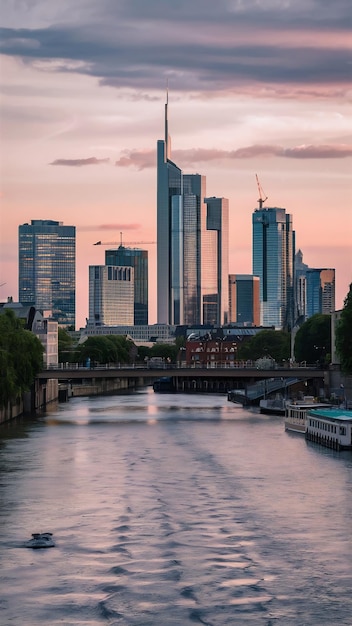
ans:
(330, 428)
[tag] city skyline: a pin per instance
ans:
(252, 90)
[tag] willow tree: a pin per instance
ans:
(344, 335)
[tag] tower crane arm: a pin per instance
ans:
(262, 195)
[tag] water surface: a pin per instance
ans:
(172, 510)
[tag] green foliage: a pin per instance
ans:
(166, 351)
(344, 335)
(313, 339)
(107, 349)
(21, 357)
(66, 346)
(273, 343)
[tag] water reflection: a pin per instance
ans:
(214, 515)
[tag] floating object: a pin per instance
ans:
(41, 540)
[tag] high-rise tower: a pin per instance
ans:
(47, 268)
(169, 218)
(273, 262)
(138, 259)
(192, 245)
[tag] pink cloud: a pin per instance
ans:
(115, 227)
(145, 159)
(79, 162)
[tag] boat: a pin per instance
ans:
(296, 413)
(41, 540)
(330, 427)
(273, 406)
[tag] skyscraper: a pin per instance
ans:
(244, 302)
(138, 259)
(315, 288)
(215, 262)
(47, 268)
(273, 262)
(111, 295)
(169, 220)
(192, 246)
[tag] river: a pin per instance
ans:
(172, 509)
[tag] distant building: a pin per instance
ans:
(47, 268)
(315, 289)
(273, 262)
(215, 263)
(192, 245)
(138, 259)
(150, 333)
(111, 295)
(244, 299)
(46, 329)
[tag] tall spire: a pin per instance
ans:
(167, 136)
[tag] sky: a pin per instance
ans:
(256, 87)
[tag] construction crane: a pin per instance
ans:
(128, 243)
(262, 196)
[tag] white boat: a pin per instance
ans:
(296, 413)
(331, 428)
(41, 540)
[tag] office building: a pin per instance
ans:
(215, 262)
(111, 295)
(244, 300)
(192, 245)
(273, 262)
(138, 259)
(315, 288)
(169, 190)
(47, 268)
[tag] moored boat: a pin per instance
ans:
(330, 427)
(296, 413)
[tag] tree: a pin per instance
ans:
(21, 357)
(313, 339)
(65, 346)
(344, 335)
(273, 343)
(107, 349)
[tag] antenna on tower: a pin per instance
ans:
(262, 196)
(167, 136)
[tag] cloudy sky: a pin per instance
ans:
(255, 87)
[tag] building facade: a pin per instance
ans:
(314, 287)
(273, 262)
(244, 300)
(138, 259)
(47, 268)
(111, 295)
(192, 245)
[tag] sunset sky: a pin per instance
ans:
(255, 87)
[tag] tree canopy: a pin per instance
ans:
(344, 335)
(21, 357)
(106, 349)
(273, 343)
(313, 339)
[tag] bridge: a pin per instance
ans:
(111, 378)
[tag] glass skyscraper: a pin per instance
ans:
(244, 303)
(138, 259)
(192, 246)
(47, 268)
(273, 262)
(315, 288)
